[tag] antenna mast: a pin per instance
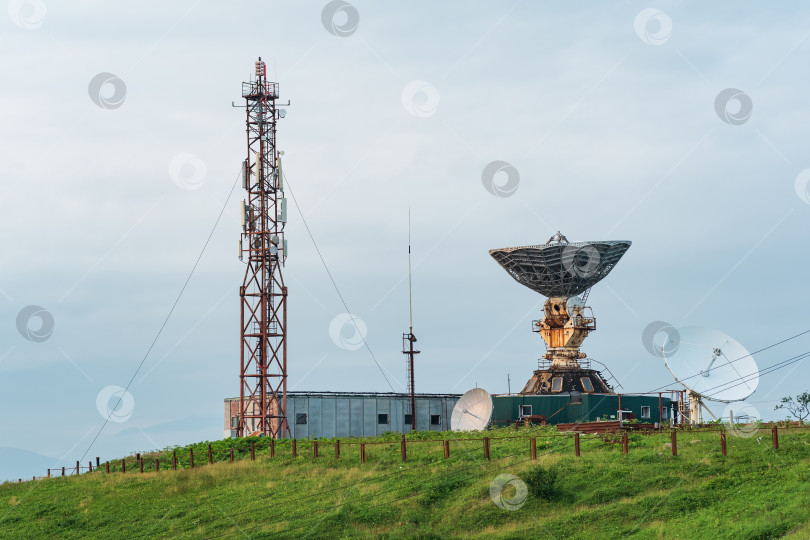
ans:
(263, 359)
(409, 339)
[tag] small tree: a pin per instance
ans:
(798, 408)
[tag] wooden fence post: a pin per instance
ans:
(337, 448)
(775, 436)
(294, 448)
(49, 473)
(140, 465)
(157, 465)
(362, 452)
(576, 444)
(210, 455)
(272, 448)
(90, 464)
(403, 449)
(315, 449)
(446, 449)
(108, 469)
(252, 451)
(98, 462)
(674, 441)
(191, 457)
(534, 448)
(486, 447)
(231, 455)
(174, 460)
(77, 468)
(624, 443)
(123, 465)
(723, 442)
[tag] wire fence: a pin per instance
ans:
(363, 450)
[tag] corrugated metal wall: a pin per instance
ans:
(356, 416)
(557, 410)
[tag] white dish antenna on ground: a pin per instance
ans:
(711, 365)
(472, 411)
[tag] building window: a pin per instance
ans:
(663, 413)
(382, 418)
(408, 419)
(234, 421)
(300, 418)
(435, 419)
(587, 384)
(525, 410)
(556, 384)
(645, 411)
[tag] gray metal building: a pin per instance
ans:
(356, 414)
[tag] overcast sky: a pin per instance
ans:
(119, 147)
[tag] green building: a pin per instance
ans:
(565, 408)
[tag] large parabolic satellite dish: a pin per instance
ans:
(472, 412)
(561, 269)
(711, 364)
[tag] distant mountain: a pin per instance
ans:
(18, 463)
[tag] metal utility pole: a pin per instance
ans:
(263, 359)
(409, 339)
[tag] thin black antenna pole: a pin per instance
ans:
(410, 293)
(408, 348)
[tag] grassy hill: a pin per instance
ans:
(754, 492)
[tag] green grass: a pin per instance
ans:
(755, 492)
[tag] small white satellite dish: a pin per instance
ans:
(711, 364)
(573, 305)
(472, 411)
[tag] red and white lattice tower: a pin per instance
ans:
(263, 361)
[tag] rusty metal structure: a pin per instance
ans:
(563, 270)
(263, 295)
(408, 341)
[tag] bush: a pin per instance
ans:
(541, 481)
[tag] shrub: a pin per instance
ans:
(541, 481)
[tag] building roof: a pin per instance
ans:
(383, 395)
